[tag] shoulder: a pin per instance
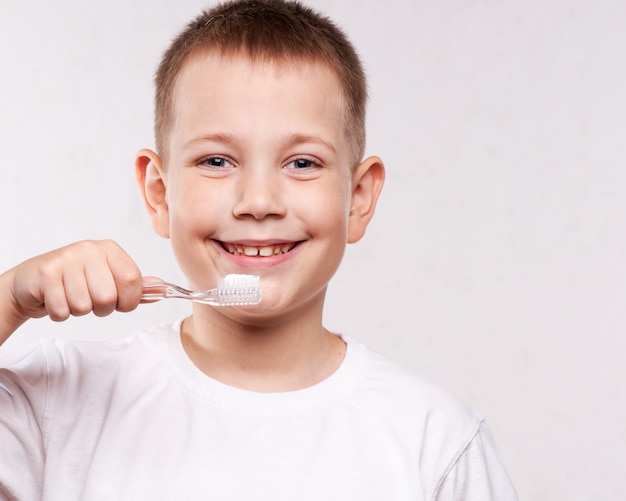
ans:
(400, 386)
(478, 473)
(441, 432)
(59, 373)
(59, 360)
(88, 352)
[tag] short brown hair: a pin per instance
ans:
(275, 30)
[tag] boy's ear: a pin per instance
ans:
(151, 180)
(367, 181)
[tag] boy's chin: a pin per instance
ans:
(254, 317)
(274, 306)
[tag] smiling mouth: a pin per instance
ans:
(258, 251)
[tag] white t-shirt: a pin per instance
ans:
(136, 420)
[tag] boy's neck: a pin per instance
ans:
(277, 358)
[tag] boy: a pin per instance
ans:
(259, 127)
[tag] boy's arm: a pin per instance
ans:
(88, 276)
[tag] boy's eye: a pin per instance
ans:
(215, 162)
(302, 164)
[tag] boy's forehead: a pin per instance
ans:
(211, 81)
(207, 73)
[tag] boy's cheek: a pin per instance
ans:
(190, 250)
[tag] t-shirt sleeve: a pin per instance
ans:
(22, 400)
(477, 474)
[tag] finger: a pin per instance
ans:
(127, 277)
(102, 289)
(38, 289)
(77, 294)
(54, 299)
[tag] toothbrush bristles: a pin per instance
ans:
(239, 289)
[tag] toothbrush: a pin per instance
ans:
(232, 290)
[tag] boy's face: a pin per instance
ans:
(258, 179)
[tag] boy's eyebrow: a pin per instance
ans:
(295, 139)
(290, 140)
(217, 138)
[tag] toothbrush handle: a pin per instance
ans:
(155, 291)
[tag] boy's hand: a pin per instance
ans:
(88, 276)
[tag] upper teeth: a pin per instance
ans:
(264, 251)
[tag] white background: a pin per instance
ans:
(496, 264)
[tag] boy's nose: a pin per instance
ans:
(259, 196)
